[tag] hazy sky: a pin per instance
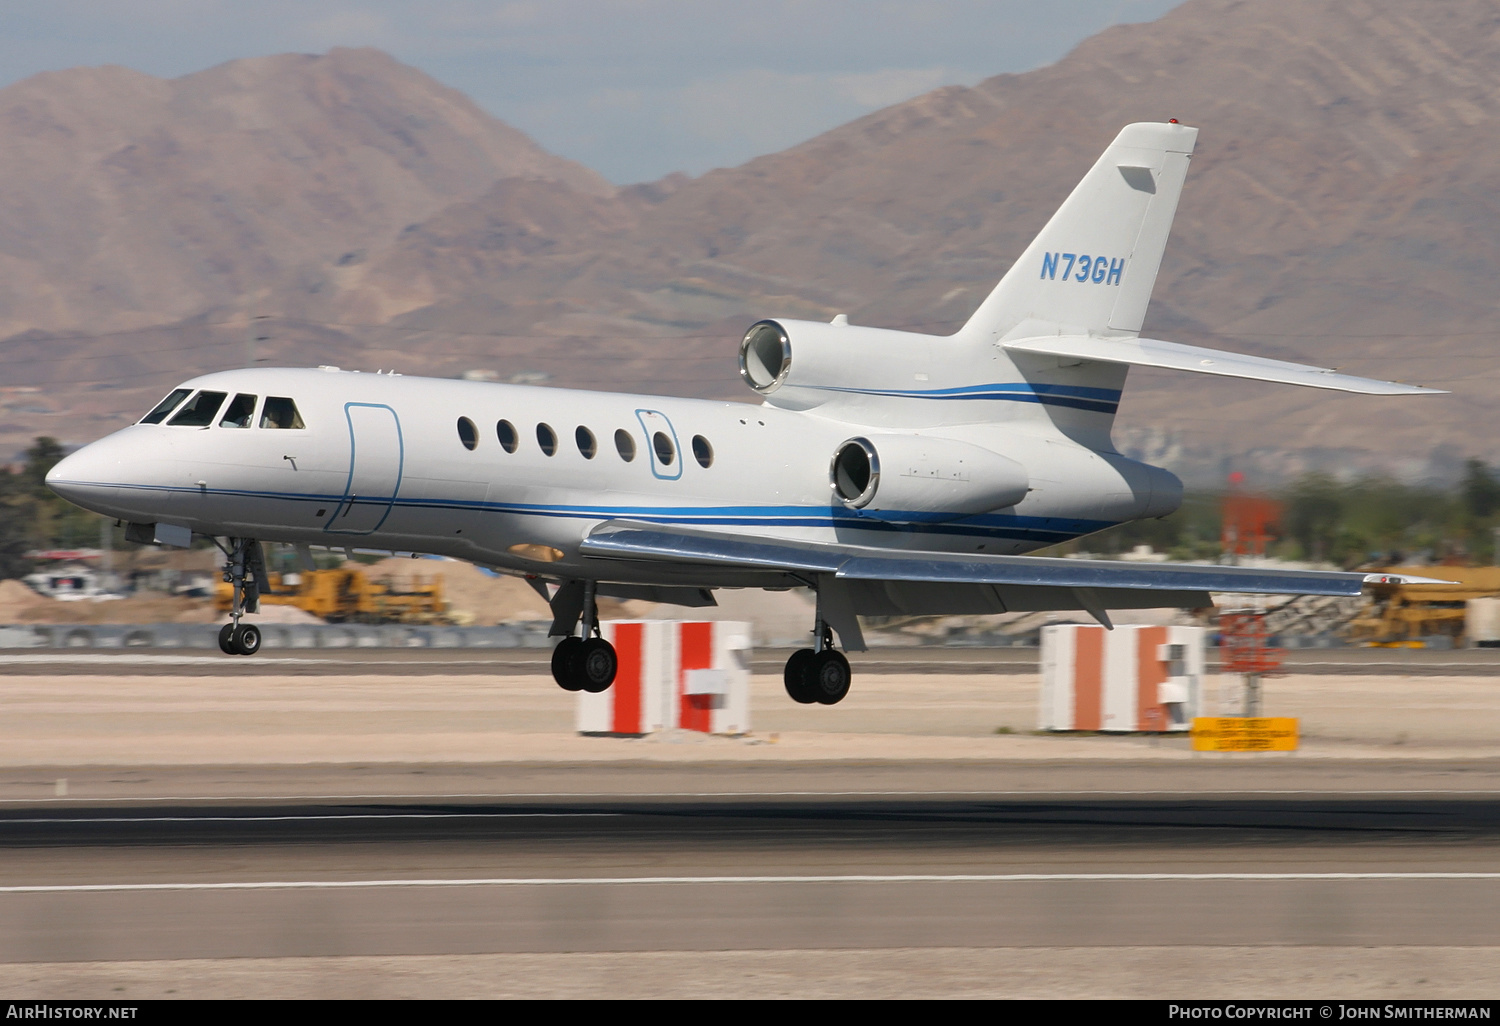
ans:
(632, 88)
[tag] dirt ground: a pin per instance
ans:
(126, 719)
(473, 596)
(19, 604)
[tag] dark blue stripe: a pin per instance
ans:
(1011, 387)
(1078, 397)
(1077, 391)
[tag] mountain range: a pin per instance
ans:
(343, 208)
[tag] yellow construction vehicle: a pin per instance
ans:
(350, 596)
(1401, 615)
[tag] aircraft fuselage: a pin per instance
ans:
(421, 464)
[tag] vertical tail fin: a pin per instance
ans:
(1092, 268)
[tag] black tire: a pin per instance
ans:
(795, 676)
(226, 640)
(247, 639)
(595, 665)
(564, 661)
(829, 676)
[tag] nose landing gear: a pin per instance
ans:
(244, 571)
(586, 663)
(242, 639)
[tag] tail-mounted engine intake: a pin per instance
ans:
(937, 478)
(800, 364)
(765, 356)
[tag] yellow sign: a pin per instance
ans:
(1244, 734)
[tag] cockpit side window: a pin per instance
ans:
(199, 410)
(239, 413)
(280, 412)
(166, 406)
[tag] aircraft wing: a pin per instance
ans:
(1152, 352)
(620, 539)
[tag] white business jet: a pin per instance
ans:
(890, 472)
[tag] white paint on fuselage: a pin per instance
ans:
(769, 474)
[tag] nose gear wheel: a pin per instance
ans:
(245, 572)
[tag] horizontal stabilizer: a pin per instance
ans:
(629, 540)
(1151, 352)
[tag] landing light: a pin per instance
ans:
(539, 553)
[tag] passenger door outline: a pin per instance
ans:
(365, 513)
(652, 421)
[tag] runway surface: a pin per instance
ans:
(738, 870)
(428, 823)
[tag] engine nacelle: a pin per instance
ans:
(799, 364)
(936, 478)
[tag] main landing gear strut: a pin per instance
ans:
(818, 674)
(243, 571)
(586, 663)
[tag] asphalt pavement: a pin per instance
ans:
(732, 866)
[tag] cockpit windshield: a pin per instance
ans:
(280, 412)
(199, 410)
(239, 413)
(166, 406)
(203, 408)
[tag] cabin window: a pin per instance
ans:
(239, 413)
(586, 444)
(703, 452)
(546, 438)
(625, 444)
(280, 412)
(199, 410)
(506, 432)
(166, 406)
(468, 433)
(665, 454)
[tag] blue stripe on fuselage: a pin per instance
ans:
(994, 525)
(1078, 397)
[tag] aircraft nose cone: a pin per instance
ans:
(63, 475)
(84, 478)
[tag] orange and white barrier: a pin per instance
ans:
(635, 703)
(689, 675)
(1127, 679)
